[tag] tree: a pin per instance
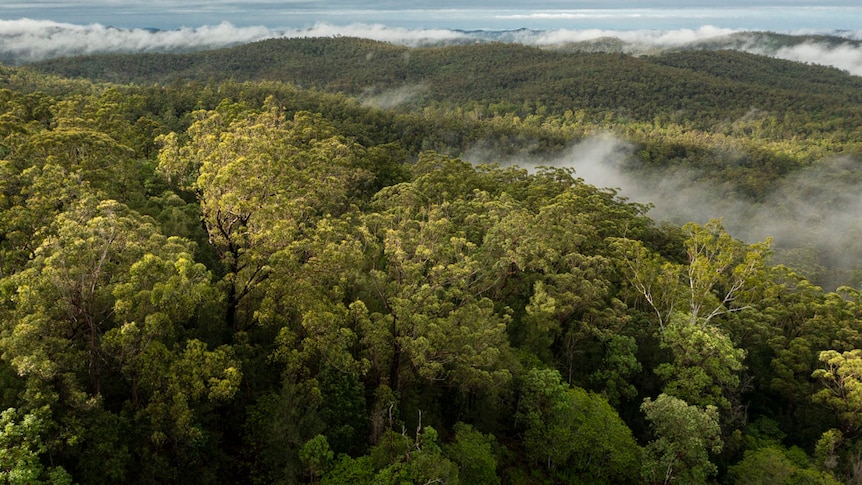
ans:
(399, 458)
(427, 279)
(575, 434)
(473, 452)
(771, 465)
(100, 319)
(262, 181)
(705, 366)
(317, 456)
(21, 445)
(714, 282)
(842, 381)
(65, 295)
(93, 156)
(688, 300)
(685, 435)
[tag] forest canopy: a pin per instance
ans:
(275, 273)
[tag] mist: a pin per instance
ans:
(33, 40)
(847, 57)
(392, 98)
(26, 40)
(812, 216)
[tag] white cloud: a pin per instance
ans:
(27, 40)
(395, 35)
(649, 38)
(30, 40)
(846, 56)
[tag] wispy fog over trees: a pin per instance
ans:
(343, 261)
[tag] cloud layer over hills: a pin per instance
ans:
(27, 40)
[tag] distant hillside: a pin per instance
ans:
(702, 86)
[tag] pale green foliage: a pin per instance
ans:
(31, 200)
(826, 450)
(685, 435)
(771, 465)
(311, 279)
(110, 293)
(720, 269)
(652, 278)
(85, 155)
(842, 378)
(687, 299)
(705, 362)
(714, 281)
(403, 459)
(262, 180)
(67, 289)
(429, 279)
(397, 459)
(176, 383)
(20, 447)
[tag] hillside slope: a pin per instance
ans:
(705, 85)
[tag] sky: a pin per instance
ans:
(779, 15)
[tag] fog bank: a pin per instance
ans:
(812, 216)
(27, 40)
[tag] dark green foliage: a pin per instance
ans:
(473, 452)
(575, 435)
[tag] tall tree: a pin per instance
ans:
(685, 436)
(262, 181)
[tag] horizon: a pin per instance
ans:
(769, 15)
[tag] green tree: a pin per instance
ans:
(691, 300)
(685, 436)
(262, 181)
(317, 456)
(771, 465)
(473, 452)
(575, 434)
(842, 381)
(21, 445)
(427, 280)
(705, 366)
(715, 281)
(100, 319)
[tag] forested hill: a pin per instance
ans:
(726, 122)
(700, 86)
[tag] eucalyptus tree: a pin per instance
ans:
(262, 180)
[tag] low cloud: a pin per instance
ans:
(27, 40)
(847, 57)
(383, 33)
(392, 98)
(635, 40)
(812, 215)
(32, 40)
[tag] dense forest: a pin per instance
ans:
(276, 264)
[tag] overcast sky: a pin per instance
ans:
(783, 15)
